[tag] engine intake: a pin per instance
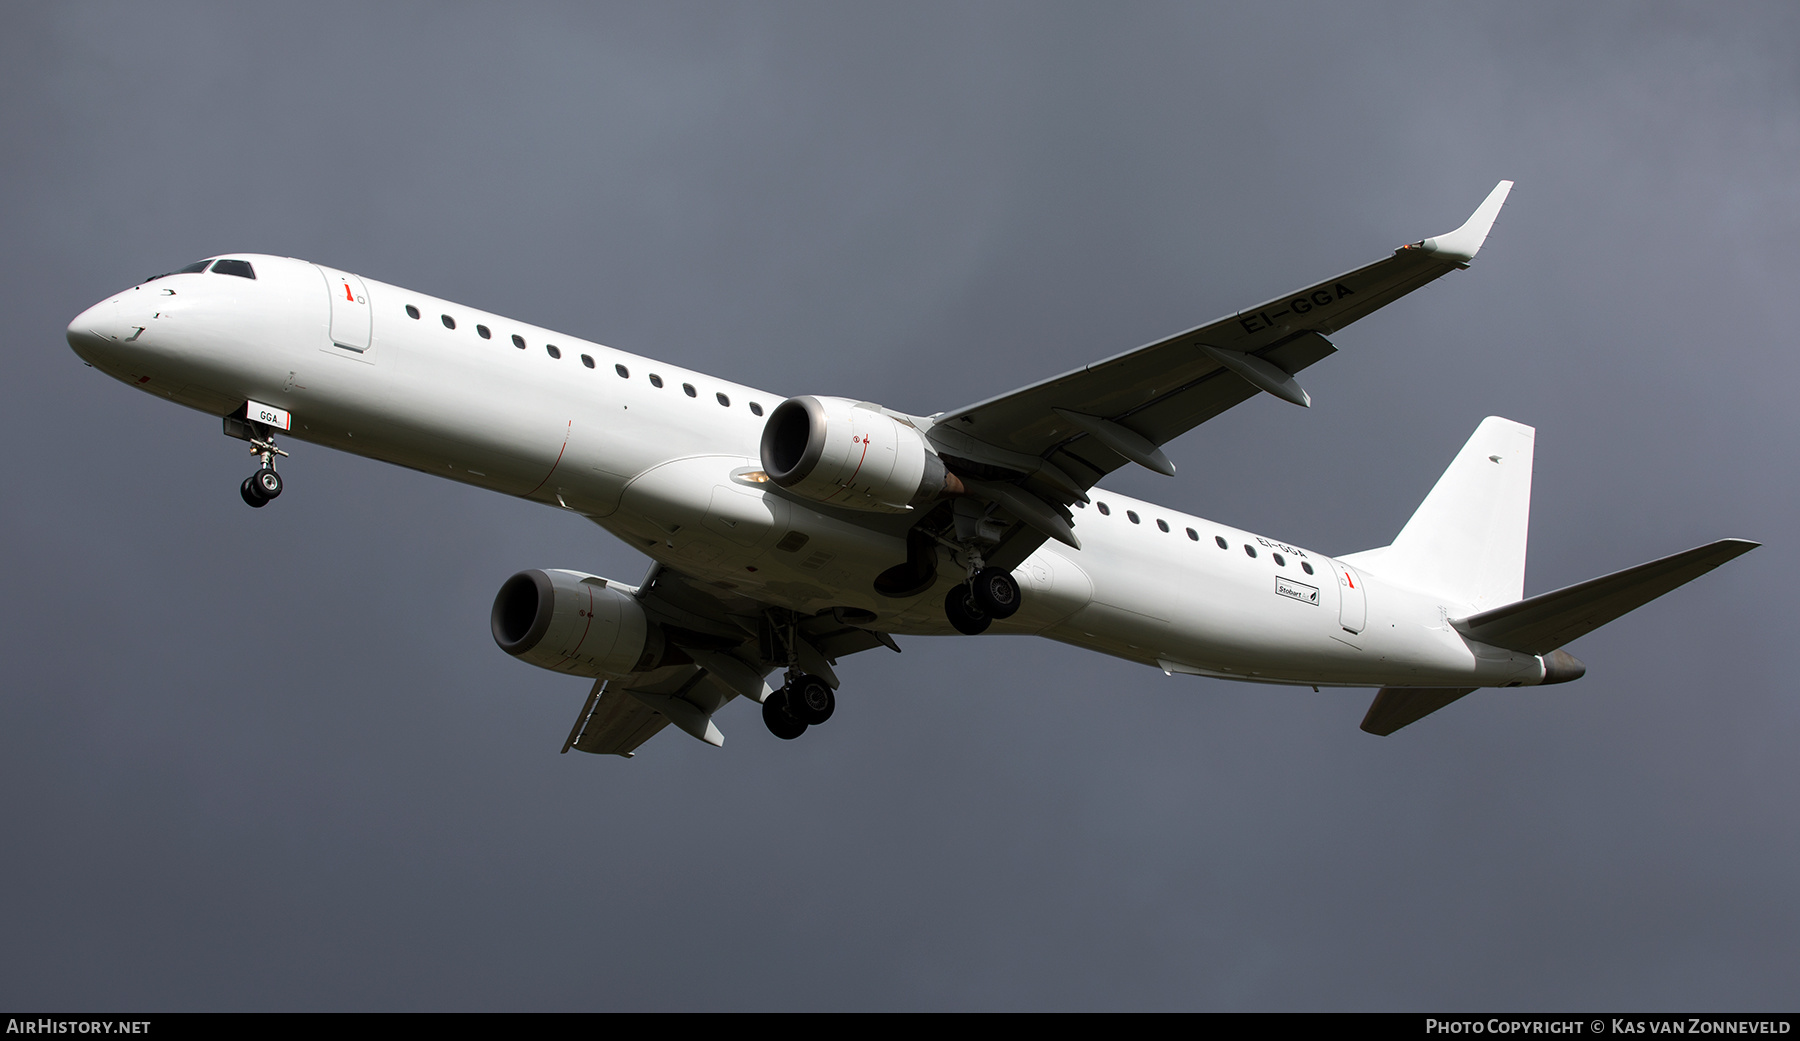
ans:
(573, 623)
(849, 453)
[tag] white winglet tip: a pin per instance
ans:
(1461, 245)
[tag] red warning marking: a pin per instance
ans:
(347, 295)
(859, 463)
(589, 615)
(559, 455)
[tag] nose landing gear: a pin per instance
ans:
(265, 483)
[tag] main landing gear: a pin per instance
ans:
(802, 702)
(989, 593)
(265, 483)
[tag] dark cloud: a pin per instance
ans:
(273, 760)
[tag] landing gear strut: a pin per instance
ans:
(265, 483)
(804, 700)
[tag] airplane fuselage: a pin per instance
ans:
(667, 459)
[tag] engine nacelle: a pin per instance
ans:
(573, 623)
(849, 453)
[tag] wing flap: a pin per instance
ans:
(612, 722)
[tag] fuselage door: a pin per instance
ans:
(350, 316)
(1353, 606)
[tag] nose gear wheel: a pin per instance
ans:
(265, 483)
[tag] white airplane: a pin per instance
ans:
(788, 533)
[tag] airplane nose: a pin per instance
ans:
(95, 329)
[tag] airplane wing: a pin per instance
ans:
(1057, 438)
(721, 652)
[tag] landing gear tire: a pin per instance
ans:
(965, 614)
(267, 483)
(251, 498)
(997, 592)
(811, 701)
(776, 718)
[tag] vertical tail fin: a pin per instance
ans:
(1466, 541)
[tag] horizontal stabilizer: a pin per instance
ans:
(1544, 623)
(1395, 707)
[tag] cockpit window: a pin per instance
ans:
(240, 268)
(192, 269)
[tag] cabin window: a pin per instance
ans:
(518, 341)
(1220, 539)
(552, 350)
(655, 380)
(1104, 511)
(1279, 560)
(1192, 534)
(449, 322)
(1249, 551)
(723, 400)
(755, 409)
(240, 268)
(1163, 524)
(411, 311)
(688, 389)
(1304, 566)
(1132, 516)
(587, 360)
(624, 373)
(483, 332)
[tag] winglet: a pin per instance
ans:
(1460, 246)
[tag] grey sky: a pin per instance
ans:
(273, 759)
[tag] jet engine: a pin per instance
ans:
(573, 623)
(850, 453)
